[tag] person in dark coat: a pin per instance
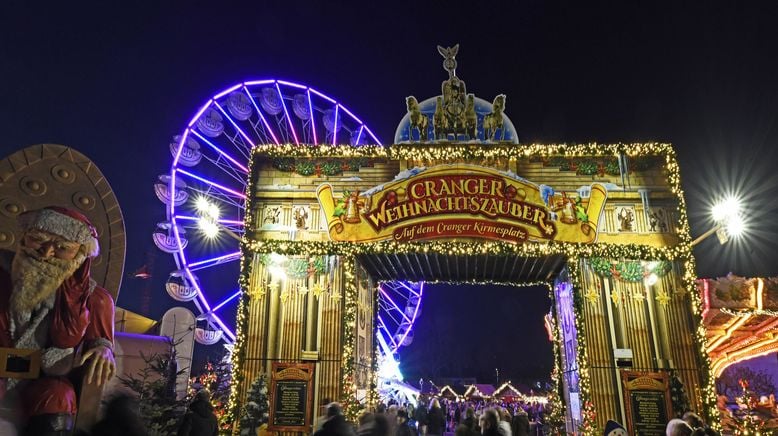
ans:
(421, 418)
(436, 421)
(470, 423)
(121, 418)
(490, 422)
(199, 420)
(403, 425)
(520, 423)
(336, 424)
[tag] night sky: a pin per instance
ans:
(116, 82)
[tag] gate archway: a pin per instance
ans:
(457, 199)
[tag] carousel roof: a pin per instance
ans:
(741, 317)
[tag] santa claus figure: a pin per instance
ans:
(56, 324)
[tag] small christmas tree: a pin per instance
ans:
(155, 388)
(257, 408)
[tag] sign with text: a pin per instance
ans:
(291, 397)
(462, 202)
(647, 402)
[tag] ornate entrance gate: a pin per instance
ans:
(603, 226)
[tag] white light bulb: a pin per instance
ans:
(735, 226)
(209, 228)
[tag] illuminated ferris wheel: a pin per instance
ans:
(204, 191)
(399, 306)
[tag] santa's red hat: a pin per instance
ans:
(63, 222)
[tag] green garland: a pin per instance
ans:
(628, 271)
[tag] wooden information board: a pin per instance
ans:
(291, 397)
(647, 402)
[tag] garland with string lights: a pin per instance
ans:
(485, 154)
(239, 347)
(555, 418)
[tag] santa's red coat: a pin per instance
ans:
(79, 317)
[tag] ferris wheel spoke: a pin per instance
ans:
(221, 304)
(286, 114)
(221, 152)
(388, 333)
(213, 184)
(218, 196)
(261, 116)
(234, 124)
(207, 263)
(235, 174)
(410, 289)
(310, 111)
(335, 126)
(359, 135)
(239, 143)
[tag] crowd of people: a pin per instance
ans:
(470, 418)
(439, 417)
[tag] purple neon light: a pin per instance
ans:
(359, 134)
(221, 152)
(215, 259)
(230, 298)
(410, 289)
(349, 112)
(372, 135)
(335, 126)
(381, 288)
(177, 157)
(261, 117)
(388, 333)
(288, 120)
(227, 91)
(258, 82)
(200, 112)
(295, 85)
(220, 221)
(242, 133)
(313, 123)
(214, 184)
(323, 96)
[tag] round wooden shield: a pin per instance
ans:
(55, 175)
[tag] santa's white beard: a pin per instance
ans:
(35, 279)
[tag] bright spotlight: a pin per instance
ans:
(651, 279)
(202, 204)
(726, 209)
(213, 211)
(209, 228)
(735, 226)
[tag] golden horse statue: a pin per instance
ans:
(493, 120)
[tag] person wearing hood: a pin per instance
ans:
(200, 420)
(336, 424)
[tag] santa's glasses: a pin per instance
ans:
(45, 243)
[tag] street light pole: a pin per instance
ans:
(703, 236)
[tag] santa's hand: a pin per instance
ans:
(102, 365)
